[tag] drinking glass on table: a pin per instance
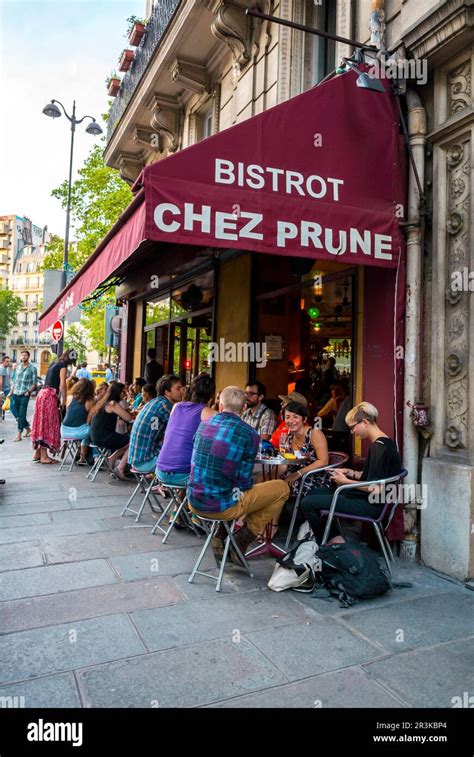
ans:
(282, 442)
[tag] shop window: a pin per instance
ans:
(179, 326)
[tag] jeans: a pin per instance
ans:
(172, 478)
(19, 406)
(147, 466)
(77, 432)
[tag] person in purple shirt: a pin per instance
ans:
(221, 483)
(174, 461)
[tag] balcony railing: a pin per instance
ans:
(159, 21)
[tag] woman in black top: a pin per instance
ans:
(45, 433)
(383, 461)
(103, 420)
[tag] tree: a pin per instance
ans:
(74, 338)
(10, 305)
(93, 319)
(98, 197)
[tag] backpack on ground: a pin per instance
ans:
(350, 571)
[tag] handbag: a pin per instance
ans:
(297, 567)
(6, 404)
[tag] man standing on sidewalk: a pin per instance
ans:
(5, 375)
(23, 385)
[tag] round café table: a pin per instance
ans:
(270, 472)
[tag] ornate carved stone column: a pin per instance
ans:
(458, 160)
(447, 540)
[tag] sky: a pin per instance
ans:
(52, 49)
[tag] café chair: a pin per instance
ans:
(178, 503)
(100, 461)
(70, 449)
(386, 513)
(145, 486)
(336, 460)
(213, 524)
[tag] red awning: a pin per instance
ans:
(316, 176)
(123, 239)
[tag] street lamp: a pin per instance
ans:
(52, 110)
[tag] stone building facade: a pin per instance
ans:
(204, 65)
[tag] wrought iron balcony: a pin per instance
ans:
(160, 18)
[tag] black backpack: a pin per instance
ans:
(350, 571)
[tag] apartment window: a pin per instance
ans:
(13, 356)
(34, 355)
(18, 268)
(205, 125)
(320, 52)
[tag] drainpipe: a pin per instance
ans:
(414, 300)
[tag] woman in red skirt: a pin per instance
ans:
(45, 429)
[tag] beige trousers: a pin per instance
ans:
(257, 506)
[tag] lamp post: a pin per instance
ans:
(52, 110)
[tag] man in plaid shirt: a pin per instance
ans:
(149, 426)
(24, 383)
(221, 485)
(258, 415)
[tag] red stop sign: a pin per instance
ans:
(57, 331)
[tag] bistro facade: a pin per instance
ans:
(296, 234)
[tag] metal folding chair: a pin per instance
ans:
(178, 500)
(387, 511)
(146, 487)
(99, 462)
(213, 524)
(336, 459)
(70, 449)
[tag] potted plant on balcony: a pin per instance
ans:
(136, 30)
(113, 83)
(125, 60)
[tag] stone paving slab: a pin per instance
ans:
(172, 562)
(429, 677)
(186, 677)
(425, 621)
(50, 579)
(89, 546)
(52, 691)
(425, 583)
(203, 588)
(19, 521)
(84, 516)
(316, 646)
(216, 618)
(24, 555)
(25, 508)
(44, 651)
(10, 535)
(80, 604)
(349, 688)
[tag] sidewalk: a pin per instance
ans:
(96, 612)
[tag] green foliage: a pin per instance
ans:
(98, 197)
(75, 339)
(10, 305)
(131, 21)
(93, 320)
